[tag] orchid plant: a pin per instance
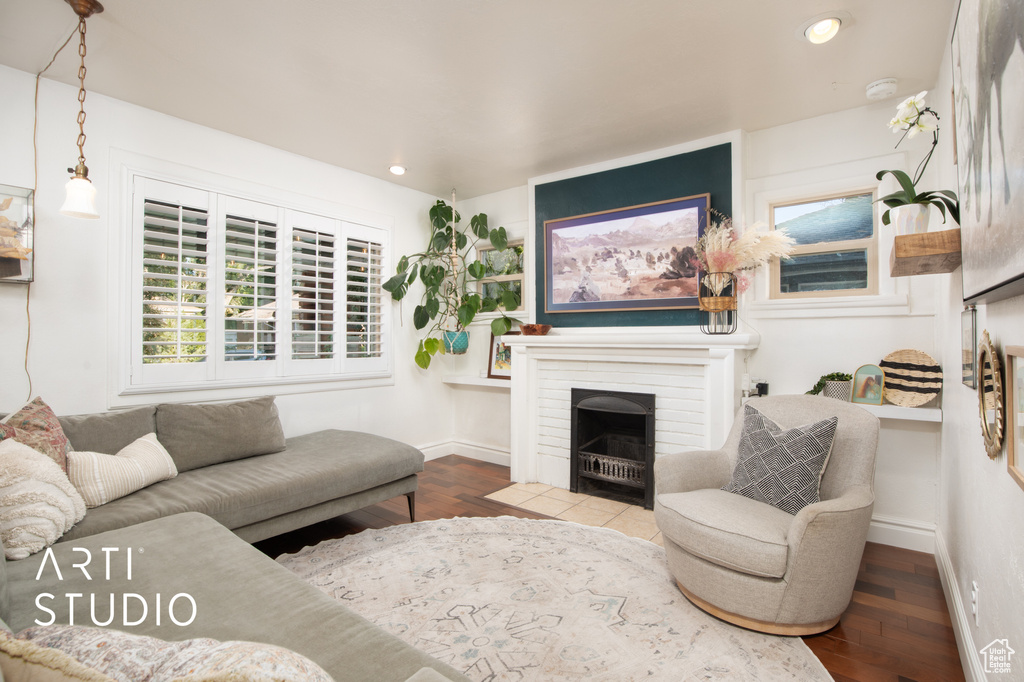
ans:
(912, 118)
(721, 249)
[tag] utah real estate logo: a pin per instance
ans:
(997, 656)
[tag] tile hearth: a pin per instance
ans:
(629, 519)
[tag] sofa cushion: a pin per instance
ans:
(315, 468)
(37, 426)
(5, 593)
(729, 530)
(125, 656)
(27, 661)
(782, 468)
(240, 594)
(201, 435)
(100, 478)
(38, 504)
(109, 432)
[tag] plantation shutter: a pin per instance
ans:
(171, 323)
(363, 267)
(313, 288)
(250, 282)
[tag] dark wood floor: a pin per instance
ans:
(896, 629)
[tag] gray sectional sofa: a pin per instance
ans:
(238, 592)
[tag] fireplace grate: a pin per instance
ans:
(616, 467)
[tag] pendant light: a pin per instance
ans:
(80, 200)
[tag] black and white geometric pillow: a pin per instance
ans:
(781, 468)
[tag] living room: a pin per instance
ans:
(66, 335)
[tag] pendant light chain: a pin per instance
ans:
(81, 92)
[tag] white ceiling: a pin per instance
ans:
(481, 94)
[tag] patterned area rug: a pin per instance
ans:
(521, 599)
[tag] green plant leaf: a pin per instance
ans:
(476, 269)
(478, 224)
(433, 306)
(422, 357)
(488, 305)
(440, 215)
(403, 264)
(905, 182)
(499, 239)
(509, 300)
(420, 316)
(432, 345)
(461, 240)
(501, 326)
(468, 310)
(441, 240)
(396, 286)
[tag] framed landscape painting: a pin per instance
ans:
(632, 258)
(988, 100)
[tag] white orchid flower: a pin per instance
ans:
(898, 125)
(911, 106)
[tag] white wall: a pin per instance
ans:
(981, 508)
(69, 299)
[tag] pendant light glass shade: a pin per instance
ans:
(80, 201)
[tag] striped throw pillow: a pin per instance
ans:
(100, 478)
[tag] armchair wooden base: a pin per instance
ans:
(796, 630)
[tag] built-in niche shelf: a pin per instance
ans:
(927, 253)
(919, 414)
(477, 381)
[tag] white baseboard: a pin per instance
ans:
(483, 453)
(899, 532)
(970, 660)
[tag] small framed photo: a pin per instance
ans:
(1015, 413)
(969, 346)
(868, 382)
(499, 364)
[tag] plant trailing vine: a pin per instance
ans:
(447, 272)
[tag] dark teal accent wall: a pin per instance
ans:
(705, 170)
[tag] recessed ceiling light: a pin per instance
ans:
(824, 27)
(397, 169)
(823, 31)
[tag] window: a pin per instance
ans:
(836, 247)
(503, 270)
(230, 291)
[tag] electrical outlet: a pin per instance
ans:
(974, 601)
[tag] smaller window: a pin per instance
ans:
(836, 247)
(503, 270)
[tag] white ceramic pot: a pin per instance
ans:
(910, 218)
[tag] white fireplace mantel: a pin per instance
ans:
(693, 376)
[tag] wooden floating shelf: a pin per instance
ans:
(927, 253)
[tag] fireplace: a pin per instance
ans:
(612, 445)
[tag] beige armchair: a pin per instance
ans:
(753, 564)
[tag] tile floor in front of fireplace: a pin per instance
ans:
(588, 510)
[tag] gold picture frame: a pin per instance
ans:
(1015, 412)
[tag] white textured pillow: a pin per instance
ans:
(126, 657)
(37, 502)
(101, 478)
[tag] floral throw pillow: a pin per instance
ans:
(37, 426)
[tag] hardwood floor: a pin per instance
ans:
(896, 629)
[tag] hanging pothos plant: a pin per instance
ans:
(450, 301)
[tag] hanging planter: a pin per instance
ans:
(716, 299)
(456, 343)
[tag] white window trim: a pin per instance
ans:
(892, 298)
(124, 168)
(521, 278)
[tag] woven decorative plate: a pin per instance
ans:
(912, 378)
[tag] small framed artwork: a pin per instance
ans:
(499, 364)
(868, 383)
(1015, 412)
(16, 228)
(969, 345)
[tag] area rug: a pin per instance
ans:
(521, 599)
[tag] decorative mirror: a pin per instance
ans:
(990, 396)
